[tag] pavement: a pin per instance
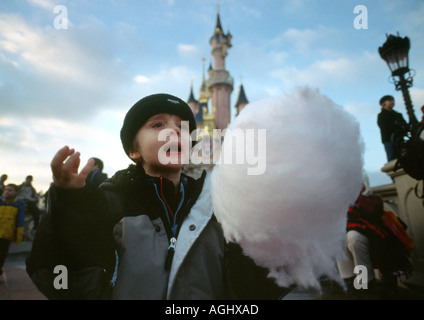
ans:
(15, 284)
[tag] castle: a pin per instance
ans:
(217, 88)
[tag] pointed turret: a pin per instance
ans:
(192, 102)
(191, 98)
(218, 28)
(241, 100)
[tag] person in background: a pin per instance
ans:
(28, 194)
(373, 244)
(96, 176)
(12, 220)
(3, 179)
(389, 120)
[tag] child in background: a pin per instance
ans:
(12, 220)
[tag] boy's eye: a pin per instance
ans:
(158, 125)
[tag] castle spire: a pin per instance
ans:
(220, 83)
(191, 97)
(218, 27)
(204, 91)
(241, 100)
(192, 102)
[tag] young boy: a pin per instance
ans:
(148, 232)
(12, 220)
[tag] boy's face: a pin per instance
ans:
(388, 104)
(148, 147)
(9, 192)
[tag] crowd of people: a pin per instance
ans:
(17, 201)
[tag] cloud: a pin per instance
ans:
(30, 144)
(34, 134)
(188, 50)
(177, 79)
(324, 73)
(303, 39)
(417, 97)
(141, 79)
(57, 72)
(45, 4)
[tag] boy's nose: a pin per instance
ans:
(176, 128)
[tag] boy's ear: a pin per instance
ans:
(134, 155)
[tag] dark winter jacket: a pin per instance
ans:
(118, 242)
(388, 121)
(96, 177)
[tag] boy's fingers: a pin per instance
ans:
(71, 164)
(76, 163)
(87, 168)
(60, 156)
(65, 166)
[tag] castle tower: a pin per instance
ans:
(192, 102)
(241, 100)
(220, 83)
(204, 96)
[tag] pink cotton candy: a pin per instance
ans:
(291, 218)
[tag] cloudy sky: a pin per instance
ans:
(70, 82)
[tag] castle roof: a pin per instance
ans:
(218, 28)
(242, 96)
(199, 115)
(191, 98)
(219, 32)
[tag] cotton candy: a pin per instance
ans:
(291, 218)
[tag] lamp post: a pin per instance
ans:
(408, 140)
(395, 52)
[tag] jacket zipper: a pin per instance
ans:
(170, 255)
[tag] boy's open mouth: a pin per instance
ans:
(173, 149)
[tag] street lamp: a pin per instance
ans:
(408, 140)
(395, 52)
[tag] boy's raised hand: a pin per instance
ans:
(65, 166)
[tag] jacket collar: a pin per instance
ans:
(200, 214)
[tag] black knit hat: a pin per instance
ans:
(149, 106)
(385, 98)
